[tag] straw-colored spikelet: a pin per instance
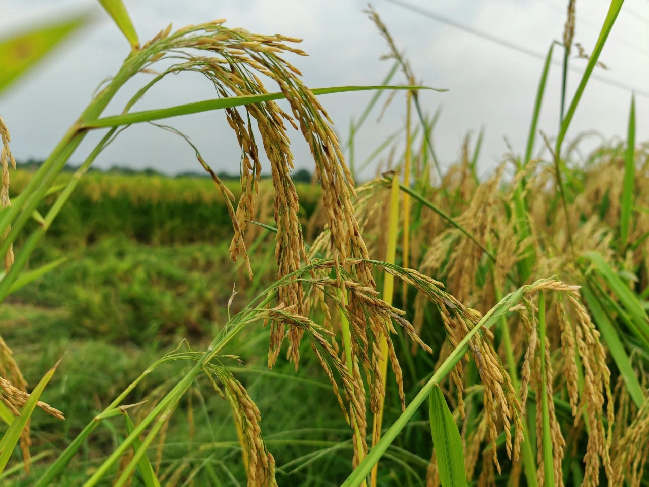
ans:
(432, 472)
(15, 399)
(568, 350)
(569, 27)
(596, 382)
(6, 158)
(260, 462)
(631, 451)
(8, 366)
(462, 263)
(474, 446)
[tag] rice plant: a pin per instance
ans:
(521, 320)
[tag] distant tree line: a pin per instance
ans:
(300, 176)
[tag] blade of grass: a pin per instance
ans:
(30, 276)
(144, 464)
(626, 203)
(350, 147)
(446, 441)
(12, 435)
(140, 452)
(548, 459)
(5, 414)
(540, 92)
(388, 290)
(379, 149)
(520, 208)
(21, 52)
(20, 466)
(117, 11)
(222, 103)
(626, 297)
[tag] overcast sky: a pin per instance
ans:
(490, 85)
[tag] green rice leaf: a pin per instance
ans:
(11, 436)
(639, 320)
(22, 51)
(30, 276)
(446, 441)
(537, 105)
(229, 102)
(144, 464)
(629, 176)
(117, 11)
(5, 413)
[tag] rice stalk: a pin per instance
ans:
(388, 290)
(406, 199)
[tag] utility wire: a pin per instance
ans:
(510, 45)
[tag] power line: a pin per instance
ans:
(637, 16)
(510, 45)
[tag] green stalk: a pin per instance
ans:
(476, 154)
(347, 343)
(388, 291)
(547, 433)
(520, 207)
(140, 453)
(415, 98)
(564, 82)
(405, 251)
